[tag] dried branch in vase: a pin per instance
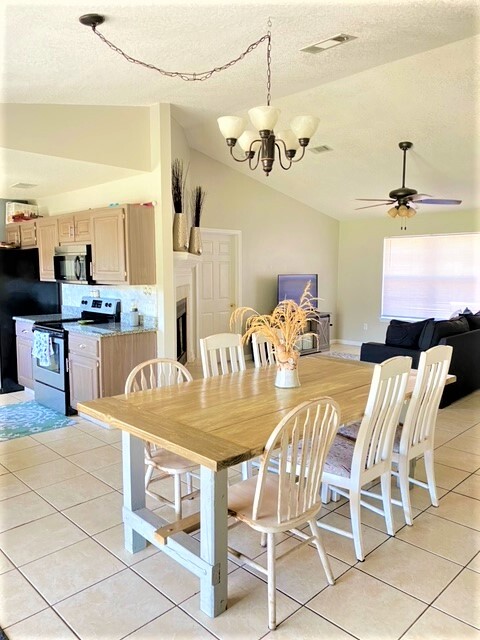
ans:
(179, 179)
(197, 198)
(284, 326)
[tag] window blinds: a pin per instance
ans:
(431, 276)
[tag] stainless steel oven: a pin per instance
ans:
(73, 264)
(50, 370)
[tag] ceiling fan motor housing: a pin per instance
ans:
(403, 193)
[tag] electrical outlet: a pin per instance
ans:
(365, 326)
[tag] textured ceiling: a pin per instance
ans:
(412, 73)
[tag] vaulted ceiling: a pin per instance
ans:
(411, 73)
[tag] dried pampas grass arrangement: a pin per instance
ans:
(284, 326)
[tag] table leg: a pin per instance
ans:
(133, 456)
(213, 543)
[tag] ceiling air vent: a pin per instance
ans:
(329, 43)
(23, 185)
(320, 149)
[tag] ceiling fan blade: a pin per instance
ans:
(418, 196)
(386, 200)
(437, 201)
(380, 204)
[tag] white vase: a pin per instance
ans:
(180, 232)
(195, 244)
(287, 378)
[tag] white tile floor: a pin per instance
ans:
(64, 573)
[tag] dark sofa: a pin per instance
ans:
(411, 338)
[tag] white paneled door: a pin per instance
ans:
(218, 284)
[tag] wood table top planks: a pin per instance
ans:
(220, 421)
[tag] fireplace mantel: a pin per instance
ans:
(185, 277)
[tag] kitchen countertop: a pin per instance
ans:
(98, 330)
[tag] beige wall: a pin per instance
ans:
(360, 266)
(279, 234)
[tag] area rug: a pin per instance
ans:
(27, 418)
(341, 354)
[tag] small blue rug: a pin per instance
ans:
(27, 418)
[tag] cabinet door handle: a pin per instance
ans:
(82, 346)
(25, 331)
(67, 366)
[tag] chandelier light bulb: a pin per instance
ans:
(304, 126)
(246, 139)
(231, 127)
(289, 139)
(264, 118)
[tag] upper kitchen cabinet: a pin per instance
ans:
(23, 234)
(47, 240)
(75, 228)
(123, 245)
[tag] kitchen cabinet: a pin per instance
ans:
(98, 367)
(47, 240)
(75, 227)
(23, 234)
(23, 331)
(123, 245)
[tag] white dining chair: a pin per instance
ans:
(416, 437)
(163, 372)
(351, 465)
(272, 503)
(263, 351)
(225, 349)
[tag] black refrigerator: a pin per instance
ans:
(21, 294)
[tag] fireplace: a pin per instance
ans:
(182, 331)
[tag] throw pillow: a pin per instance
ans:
(435, 331)
(401, 333)
(473, 320)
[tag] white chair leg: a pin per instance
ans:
(321, 551)
(386, 479)
(189, 482)
(272, 607)
(403, 468)
(148, 475)
(263, 540)
(177, 479)
(326, 494)
(246, 470)
(356, 524)
(430, 471)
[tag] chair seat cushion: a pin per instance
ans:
(170, 462)
(339, 459)
(350, 431)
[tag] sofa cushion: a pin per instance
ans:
(404, 334)
(473, 320)
(436, 330)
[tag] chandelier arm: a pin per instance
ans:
(250, 161)
(237, 159)
(280, 156)
(183, 75)
(299, 157)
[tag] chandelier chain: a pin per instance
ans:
(269, 68)
(193, 76)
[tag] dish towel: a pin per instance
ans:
(42, 347)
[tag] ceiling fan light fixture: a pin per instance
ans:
(393, 212)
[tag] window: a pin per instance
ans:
(431, 276)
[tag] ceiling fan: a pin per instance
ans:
(405, 199)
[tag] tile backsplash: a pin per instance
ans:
(143, 297)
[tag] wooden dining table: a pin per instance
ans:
(216, 423)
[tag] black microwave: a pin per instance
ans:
(73, 264)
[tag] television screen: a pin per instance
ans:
(292, 285)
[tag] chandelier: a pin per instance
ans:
(261, 146)
(257, 147)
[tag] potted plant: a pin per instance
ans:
(283, 328)
(180, 223)
(197, 199)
